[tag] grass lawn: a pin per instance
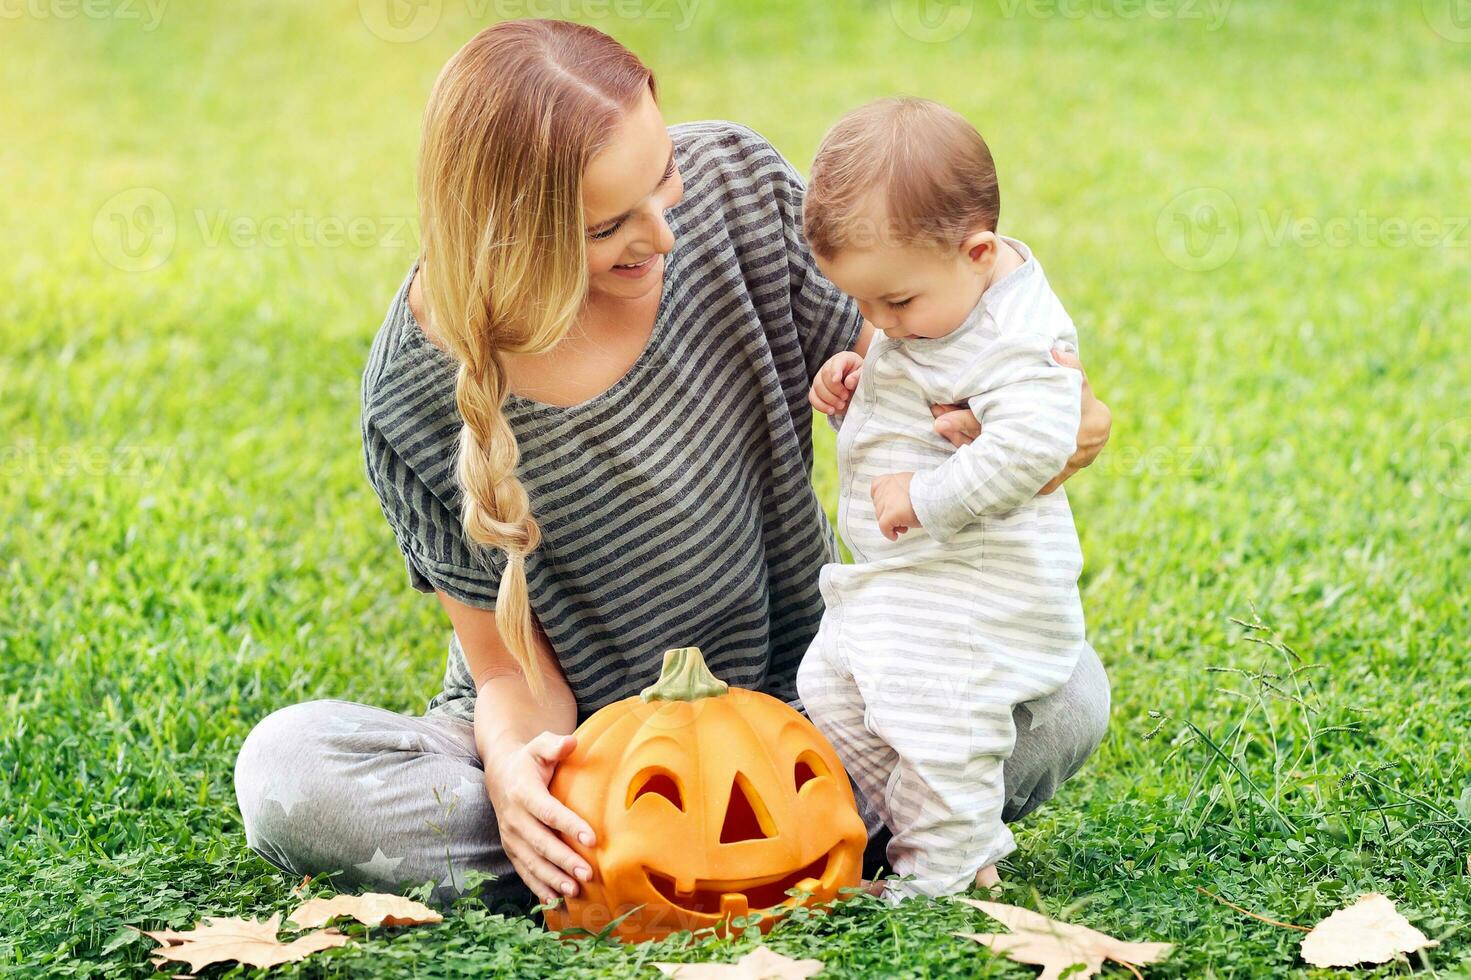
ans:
(1255, 211)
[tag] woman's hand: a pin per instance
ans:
(959, 424)
(529, 816)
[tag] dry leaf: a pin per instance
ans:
(761, 963)
(247, 941)
(1369, 931)
(372, 909)
(1055, 946)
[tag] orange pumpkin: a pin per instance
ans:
(709, 802)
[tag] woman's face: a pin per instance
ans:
(625, 191)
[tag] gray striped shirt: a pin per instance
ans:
(676, 507)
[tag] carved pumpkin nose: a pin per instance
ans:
(745, 815)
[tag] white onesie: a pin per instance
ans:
(929, 642)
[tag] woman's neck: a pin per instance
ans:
(608, 338)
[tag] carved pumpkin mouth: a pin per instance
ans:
(740, 896)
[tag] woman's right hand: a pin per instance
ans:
(529, 818)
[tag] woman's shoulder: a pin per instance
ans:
(735, 178)
(722, 136)
(719, 156)
(404, 371)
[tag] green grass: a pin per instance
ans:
(187, 541)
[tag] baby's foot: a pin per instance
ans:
(872, 887)
(988, 877)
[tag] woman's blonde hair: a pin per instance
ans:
(511, 124)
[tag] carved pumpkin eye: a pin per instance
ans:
(809, 766)
(656, 781)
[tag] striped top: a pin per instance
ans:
(676, 507)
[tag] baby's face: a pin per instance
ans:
(908, 291)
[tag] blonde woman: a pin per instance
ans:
(586, 420)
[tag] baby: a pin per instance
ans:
(962, 601)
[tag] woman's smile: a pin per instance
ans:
(636, 270)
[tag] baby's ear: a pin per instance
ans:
(980, 249)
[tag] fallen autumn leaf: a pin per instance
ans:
(1369, 931)
(373, 908)
(1055, 946)
(249, 941)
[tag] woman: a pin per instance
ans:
(586, 420)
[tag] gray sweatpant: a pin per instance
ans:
(384, 801)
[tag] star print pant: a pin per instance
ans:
(384, 801)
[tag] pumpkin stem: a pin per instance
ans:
(684, 678)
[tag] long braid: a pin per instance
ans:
(513, 119)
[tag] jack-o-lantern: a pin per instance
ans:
(709, 803)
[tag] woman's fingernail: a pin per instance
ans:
(586, 838)
(568, 888)
(584, 873)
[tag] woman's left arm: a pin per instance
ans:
(958, 424)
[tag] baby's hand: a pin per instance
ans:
(891, 503)
(836, 382)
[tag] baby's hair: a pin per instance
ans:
(900, 171)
